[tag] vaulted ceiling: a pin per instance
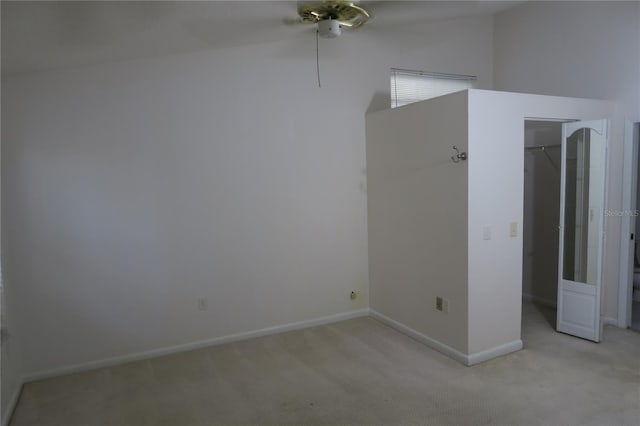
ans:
(48, 35)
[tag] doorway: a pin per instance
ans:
(542, 168)
(629, 290)
(635, 261)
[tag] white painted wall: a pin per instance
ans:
(11, 360)
(132, 189)
(418, 201)
(417, 215)
(496, 194)
(541, 211)
(582, 49)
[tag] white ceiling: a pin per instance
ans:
(48, 35)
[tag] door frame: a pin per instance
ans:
(530, 297)
(629, 188)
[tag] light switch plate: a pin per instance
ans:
(513, 229)
(486, 232)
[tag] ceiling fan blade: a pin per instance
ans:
(293, 21)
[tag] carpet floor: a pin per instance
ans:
(356, 372)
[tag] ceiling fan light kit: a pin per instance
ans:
(329, 28)
(330, 16)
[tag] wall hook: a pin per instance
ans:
(458, 155)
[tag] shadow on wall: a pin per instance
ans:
(379, 101)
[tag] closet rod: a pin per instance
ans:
(542, 147)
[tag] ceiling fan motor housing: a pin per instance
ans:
(332, 15)
(329, 28)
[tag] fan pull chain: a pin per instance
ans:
(318, 58)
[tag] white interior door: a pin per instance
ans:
(582, 198)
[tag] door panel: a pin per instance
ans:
(582, 199)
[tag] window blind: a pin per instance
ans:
(409, 86)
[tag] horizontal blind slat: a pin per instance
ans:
(407, 88)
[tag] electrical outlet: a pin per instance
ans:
(353, 295)
(202, 304)
(445, 305)
(439, 303)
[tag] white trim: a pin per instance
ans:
(609, 321)
(108, 362)
(12, 406)
(494, 352)
(603, 222)
(467, 360)
(630, 170)
(529, 298)
(432, 343)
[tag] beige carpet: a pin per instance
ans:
(357, 372)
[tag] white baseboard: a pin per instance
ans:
(428, 341)
(494, 352)
(610, 321)
(108, 362)
(432, 343)
(465, 359)
(6, 416)
(529, 298)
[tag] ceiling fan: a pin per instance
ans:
(331, 16)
